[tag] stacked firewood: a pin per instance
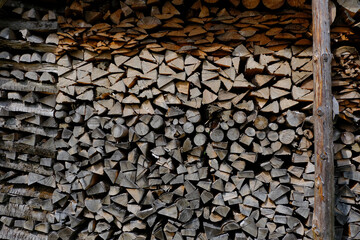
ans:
(350, 12)
(28, 76)
(198, 28)
(346, 74)
(346, 28)
(183, 122)
(178, 120)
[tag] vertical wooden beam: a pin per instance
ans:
(323, 218)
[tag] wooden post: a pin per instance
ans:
(323, 218)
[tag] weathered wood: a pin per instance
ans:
(52, 38)
(41, 26)
(157, 122)
(252, 67)
(13, 233)
(24, 45)
(35, 39)
(217, 135)
(261, 122)
(22, 107)
(119, 131)
(348, 138)
(295, 118)
(287, 136)
(240, 117)
(200, 139)
(233, 134)
(249, 4)
(166, 123)
(26, 167)
(296, 3)
(38, 67)
(273, 4)
(10, 84)
(323, 219)
(12, 125)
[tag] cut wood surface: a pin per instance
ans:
(169, 119)
(28, 76)
(273, 4)
(250, 4)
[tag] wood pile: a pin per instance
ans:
(200, 29)
(346, 28)
(350, 12)
(28, 76)
(346, 74)
(183, 122)
(168, 120)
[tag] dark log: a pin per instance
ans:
(24, 45)
(217, 135)
(13, 233)
(296, 3)
(273, 4)
(22, 107)
(40, 26)
(38, 67)
(249, 4)
(16, 147)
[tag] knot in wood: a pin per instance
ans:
(326, 56)
(317, 182)
(323, 156)
(319, 111)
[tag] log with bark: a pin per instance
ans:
(28, 128)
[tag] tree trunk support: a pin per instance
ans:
(323, 218)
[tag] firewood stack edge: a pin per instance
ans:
(28, 128)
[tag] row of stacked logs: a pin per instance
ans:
(189, 122)
(202, 30)
(28, 76)
(350, 12)
(346, 28)
(346, 74)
